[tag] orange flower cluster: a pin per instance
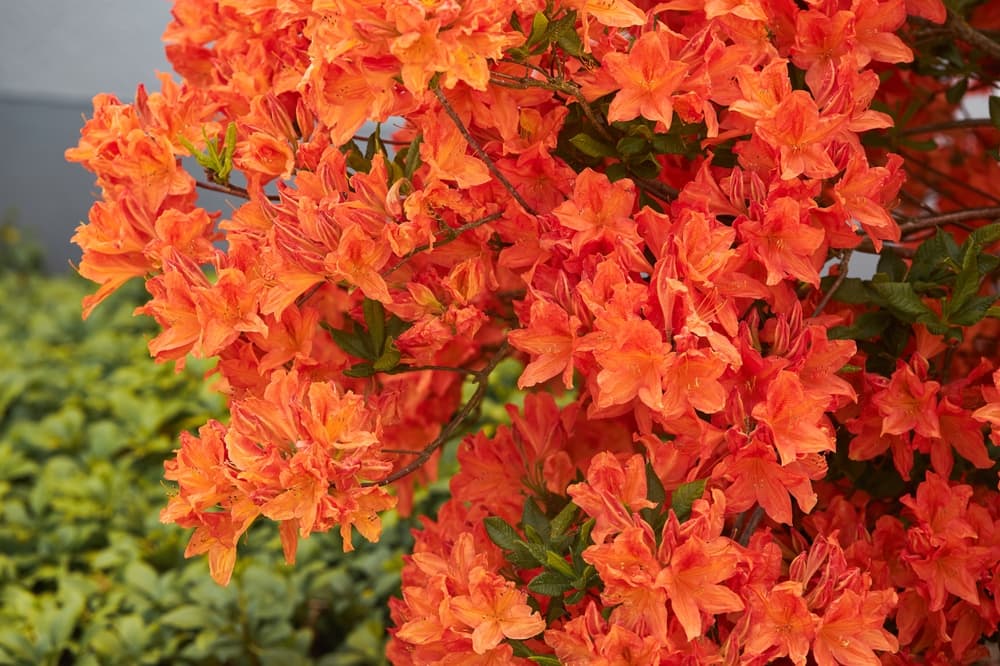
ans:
(729, 452)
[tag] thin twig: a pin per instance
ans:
(915, 224)
(560, 86)
(955, 181)
(751, 526)
(233, 190)
(960, 27)
(401, 369)
(968, 123)
(479, 150)
(929, 221)
(845, 260)
(450, 235)
(481, 378)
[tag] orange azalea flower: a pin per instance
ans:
(599, 211)
(633, 358)
(445, 151)
(800, 135)
(358, 259)
(647, 79)
(495, 610)
(795, 420)
(781, 624)
(549, 338)
(784, 243)
(851, 629)
(613, 13)
(692, 582)
(909, 404)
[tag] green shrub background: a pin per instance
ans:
(88, 575)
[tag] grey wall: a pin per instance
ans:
(55, 55)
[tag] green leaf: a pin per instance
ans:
(935, 259)
(545, 660)
(966, 286)
(901, 297)
(388, 360)
(375, 318)
(556, 563)
(563, 520)
(891, 264)
(655, 491)
(972, 311)
(533, 518)
(550, 584)
(995, 110)
(866, 326)
(359, 370)
(413, 160)
(632, 145)
(187, 617)
(592, 147)
(854, 291)
(349, 342)
(684, 497)
(569, 40)
(501, 533)
(539, 27)
(981, 238)
(668, 144)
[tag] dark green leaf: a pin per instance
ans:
(550, 584)
(532, 517)
(359, 370)
(891, 264)
(388, 360)
(866, 326)
(545, 660)
(981, 238)
(592, 147)
(413, 157)
(684, 497)
(501, 533)
(972, 311)
(350, 343)
(632, 145)
(854, 291)
(375, 319)
(900, 297)
(563, 520)
(556, 563)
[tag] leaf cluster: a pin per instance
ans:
(942, 272)
(88, 575)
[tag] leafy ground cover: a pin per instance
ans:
(88, 575)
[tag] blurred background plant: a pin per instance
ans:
(88, 575)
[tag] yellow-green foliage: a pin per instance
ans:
(88, 575)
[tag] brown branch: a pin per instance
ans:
(479, 150)
(450, 235)
(233, 190)
(914, 224)
(401, 369)
(968, 123)
(556, 85)
(947, 177)
(481, 378)
(961, 29)
(929, 221)
(751, 526)
(845, 260)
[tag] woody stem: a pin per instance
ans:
(481, 379)
(476, 148)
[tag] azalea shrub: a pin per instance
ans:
(725, 445)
